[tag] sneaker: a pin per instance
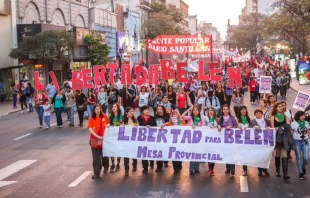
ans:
(134, 169)
(41, 126)
(145, 170)
(191, 172)
(95, 177)
(117, 168)
(47, 127)
(260, 174)
(60, 126)
(212, 173)
(301, 176)
(22, 112)
(227, 171)
(266, 172)
(197, 171)
(71, 125)
(304, 171)
(245, 173)
(232, 172)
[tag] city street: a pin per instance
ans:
(58, 163)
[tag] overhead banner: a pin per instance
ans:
(301, 101)
(234, 146)
(180, 44)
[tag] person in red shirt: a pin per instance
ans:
(96, 126)
(182, 100)
(38, 105)
(252, 87)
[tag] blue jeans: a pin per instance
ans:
(47, 120)
(58, 112)
(30, 104)
(89, 110)
(70, 111)
(194, 166)
(230, 166)
(301, 146)
(40, 114)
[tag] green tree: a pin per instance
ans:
(248, 33)
(49, 47)
(98, 52)
(163, 20)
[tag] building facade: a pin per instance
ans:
(193, 24)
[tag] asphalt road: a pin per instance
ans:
(43, 163)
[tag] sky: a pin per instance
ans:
(217, 12)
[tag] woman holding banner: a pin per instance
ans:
(193, 119)
(96, 127)
(227, 121)
(211, 121)
(115, 118)
(260, 122)
(149, 121)
(243, 123)
(129, 120)
(277, 121)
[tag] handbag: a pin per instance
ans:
(81, 107)
(94, 142)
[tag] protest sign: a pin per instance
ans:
(265, 84)
(234, 146)
(301, 101)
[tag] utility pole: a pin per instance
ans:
(112, 6)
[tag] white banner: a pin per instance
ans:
(242, 147)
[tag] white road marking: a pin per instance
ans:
(56, 122)
(15, 167)
(244, 187)
(23, 136)
(5, 183)
(80, 178)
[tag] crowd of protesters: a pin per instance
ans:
(195, 103)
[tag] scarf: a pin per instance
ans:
(196, 120)
(146, 119)
(280, 117)
(302, 124)
(211, 120)
(244, 120)
(261, 122)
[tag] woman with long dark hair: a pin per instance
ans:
(115, 118)
(227, 121)
(193, 119)
(91, 101)
(143, 97)
(59, 101)
(263, 107)
(22, 97)
(238, 100)
(220, 93)
(243, 123)
(172, 96)
(279, 119)
(96, 127)
(129, 120)
(80, 100)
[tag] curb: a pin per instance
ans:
(9, 113)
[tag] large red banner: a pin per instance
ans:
(180, 44)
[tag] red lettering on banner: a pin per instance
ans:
(99, 75)
(167, 71)
(213, 75)
(201, 75)
(112, 67)
(77, 80)
(54, 79)
(139, 72)
(126, 74)
(181, 70)
(234, 76)
(37, 84)
(153, 75)
(86, 78)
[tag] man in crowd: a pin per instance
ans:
(51, 91)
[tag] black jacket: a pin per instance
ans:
(151, 122)
(63, 99)
(284, 135)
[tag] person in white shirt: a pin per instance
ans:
(301, 134)
(47, 113)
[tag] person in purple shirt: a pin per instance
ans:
(227, 121)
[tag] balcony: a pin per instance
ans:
(145, 4)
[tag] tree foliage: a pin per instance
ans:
(248, 33)
(50, 46)
(296, 8)
(98, 52)
(163, 20)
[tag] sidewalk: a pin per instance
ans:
(303, 88)
(7, 108)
